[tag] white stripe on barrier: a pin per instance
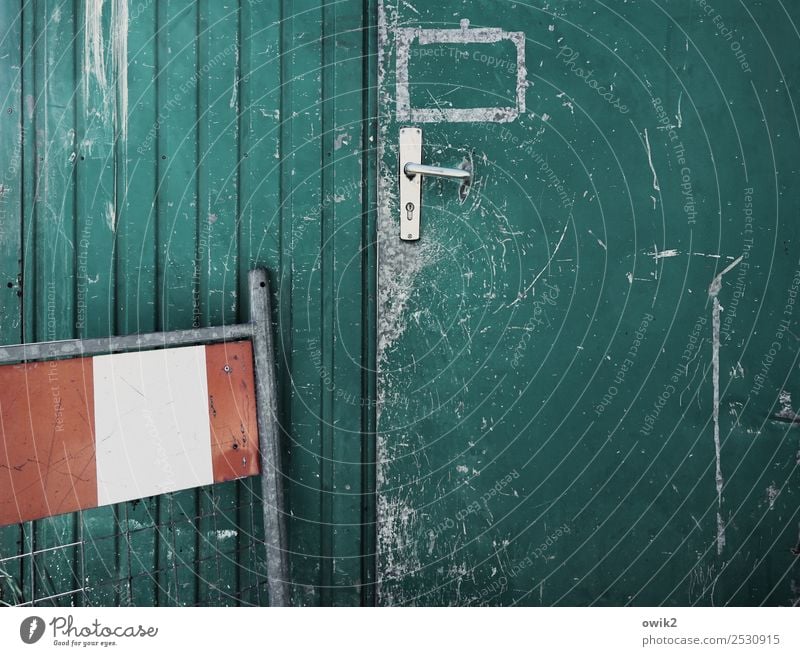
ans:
(158, 399)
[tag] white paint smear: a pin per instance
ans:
(657, 255)
(119, 60)
(786, 411)
(95, 65)
(650, 161)
(714, 289)
(404, 36)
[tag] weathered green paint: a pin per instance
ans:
(170, 147)
(517, 462)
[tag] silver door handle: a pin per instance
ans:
(410, 174)
(411, 169)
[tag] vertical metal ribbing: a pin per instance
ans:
(269, 440)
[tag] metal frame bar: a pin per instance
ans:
(259, 332)
(269, 440)
(72, 348)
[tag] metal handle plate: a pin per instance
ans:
(410, 173)
(410, 187)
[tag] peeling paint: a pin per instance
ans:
(111, 216)
(119, 59)
(786, 412)
(342, 139)
(226, 534)
(404, 36)
(397, 539)
(657, 255)
(114, 97)
(772, 494)
(94, 63)
(713, 290)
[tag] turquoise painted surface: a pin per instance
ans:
(152, 154)
(561, 422)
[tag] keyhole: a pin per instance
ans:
(409, 211)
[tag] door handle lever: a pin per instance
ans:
(411, 171)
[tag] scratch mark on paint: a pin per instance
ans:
(397, 538)
(786, 413)
(94, 50)
(598, 240)
(111, 216)
(119, 59)
(737, 371)
(341, 140)
(716, 284)
(717, 309)
(720, 533)
(657, 255)
(566, 103)
(772, 494)
(226, 534)
(713, 290)
(95, 65)
(411, 7)
(650, 161)
(546, 266)
(235, 84)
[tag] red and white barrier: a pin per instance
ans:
(86, 432)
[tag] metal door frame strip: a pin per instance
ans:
(259, 331)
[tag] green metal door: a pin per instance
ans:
(588, 363)
(153, 153)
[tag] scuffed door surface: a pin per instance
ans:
(587, 366)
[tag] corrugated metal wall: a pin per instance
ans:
(152, 153)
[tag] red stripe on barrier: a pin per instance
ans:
(232, 410)
(47, 452)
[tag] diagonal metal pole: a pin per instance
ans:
(269, 440)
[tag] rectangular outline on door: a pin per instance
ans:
(403, 38)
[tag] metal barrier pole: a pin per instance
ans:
(85, 348)
(269, 440)
(259, 330)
